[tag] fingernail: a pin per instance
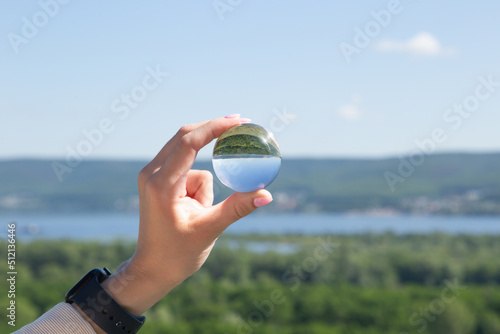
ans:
(245, 120)
(262, 201)
(233, 116)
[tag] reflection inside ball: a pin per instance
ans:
(246, 158)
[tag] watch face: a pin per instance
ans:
(91, 274)
(99, 306)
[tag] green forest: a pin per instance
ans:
(289, 284)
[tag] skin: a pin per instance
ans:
(178, 222)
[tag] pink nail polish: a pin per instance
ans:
(245, 120)
(261, 201)
(233, 116)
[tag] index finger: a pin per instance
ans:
(158, 161)
(180, 161)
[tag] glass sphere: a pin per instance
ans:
(246, 157)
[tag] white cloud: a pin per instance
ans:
(422, 44)
(351, 111)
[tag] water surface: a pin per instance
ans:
(112, 225)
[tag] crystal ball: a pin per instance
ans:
(246, 157)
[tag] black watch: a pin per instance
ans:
(98, 305)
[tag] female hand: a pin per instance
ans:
(178, 223)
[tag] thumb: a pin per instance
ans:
(237, 206)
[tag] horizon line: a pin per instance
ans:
(289, 157)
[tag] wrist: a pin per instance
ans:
(100, 309)
(135, 289)
(96, 328)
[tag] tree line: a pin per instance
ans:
(290, 284)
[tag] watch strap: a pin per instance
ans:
(100, 307)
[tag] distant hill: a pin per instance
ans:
(438, 184)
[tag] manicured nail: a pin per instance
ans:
(245, 120)
(233, 116)
(262, 201)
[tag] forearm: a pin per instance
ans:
(61, 319)
(96, 328)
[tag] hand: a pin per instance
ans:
(178, 222)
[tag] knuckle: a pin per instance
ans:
(185, 142)
(143, 175)
(154, 185)
(184, 130)
(146, 173)
(207, 175)
(241, 211)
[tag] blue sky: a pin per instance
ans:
(72, 74)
